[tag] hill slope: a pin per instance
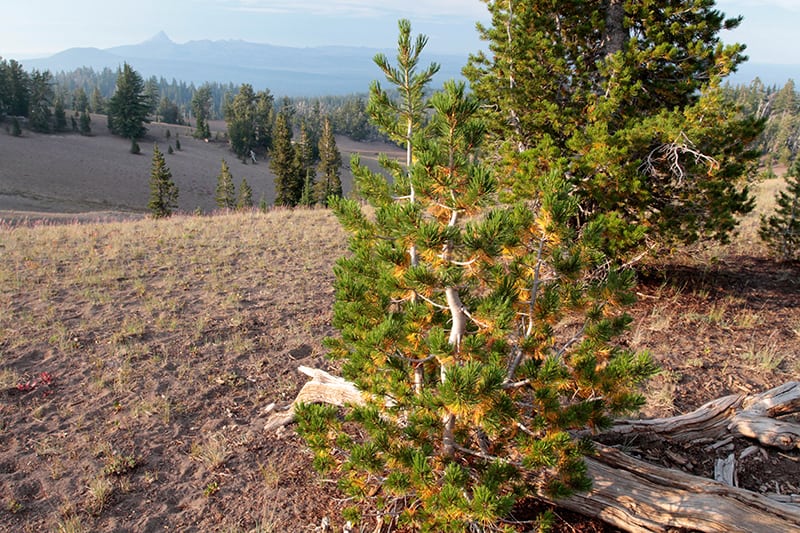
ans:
(69, 173)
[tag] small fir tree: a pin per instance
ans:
(288, 184)
(477, 358)
(128, 107)
(330, 165)
(16, 130)
(163, 191)
(41, 97)
(308, 197)
(225, 192)
(177, 142)
(85, 123)
(304, 166)
(245, 198)
(781, 231)
(59, 116)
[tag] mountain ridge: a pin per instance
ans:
(290, 71)
(284, 70)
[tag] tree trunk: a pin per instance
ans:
(637, 496)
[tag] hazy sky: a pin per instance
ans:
(39, 28)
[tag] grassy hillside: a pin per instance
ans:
(70, 173)
(136, 360)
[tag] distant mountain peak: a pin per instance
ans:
(160, 38)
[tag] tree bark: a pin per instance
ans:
(615, 34)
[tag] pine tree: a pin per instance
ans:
(98, 103)
(80, 102)
(330, 165)
(400, 118)
(245, 198)
(624, 98)
(225, 196)
(308, 197)
(781, 231)
(201, 108)
(41, 97)
(246, 116)
(264, 119)
(304, 167)
(59, 116)
(288, 185)
(128, 107)
(163, 191)
(510, 313)
(18, 90)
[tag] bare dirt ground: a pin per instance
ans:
(137, 357)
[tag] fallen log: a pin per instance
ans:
(637, 496)
(751, 416)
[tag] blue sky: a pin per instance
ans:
(39, 28)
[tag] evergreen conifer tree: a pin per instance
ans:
(479, 354)
(18, 89)
(163, 191)
(225, 196)
(98, 103)
(308, 196)
(400, 118)
(80, 101)
(245, 198)
(781, 230)
(201, 107)
(59, 116)
(330, 165)
(129, 106)
(625, 98)
(288, 185)
(16, 130)
(304, 167)
(41, 97)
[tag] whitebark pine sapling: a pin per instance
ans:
(510, 312)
